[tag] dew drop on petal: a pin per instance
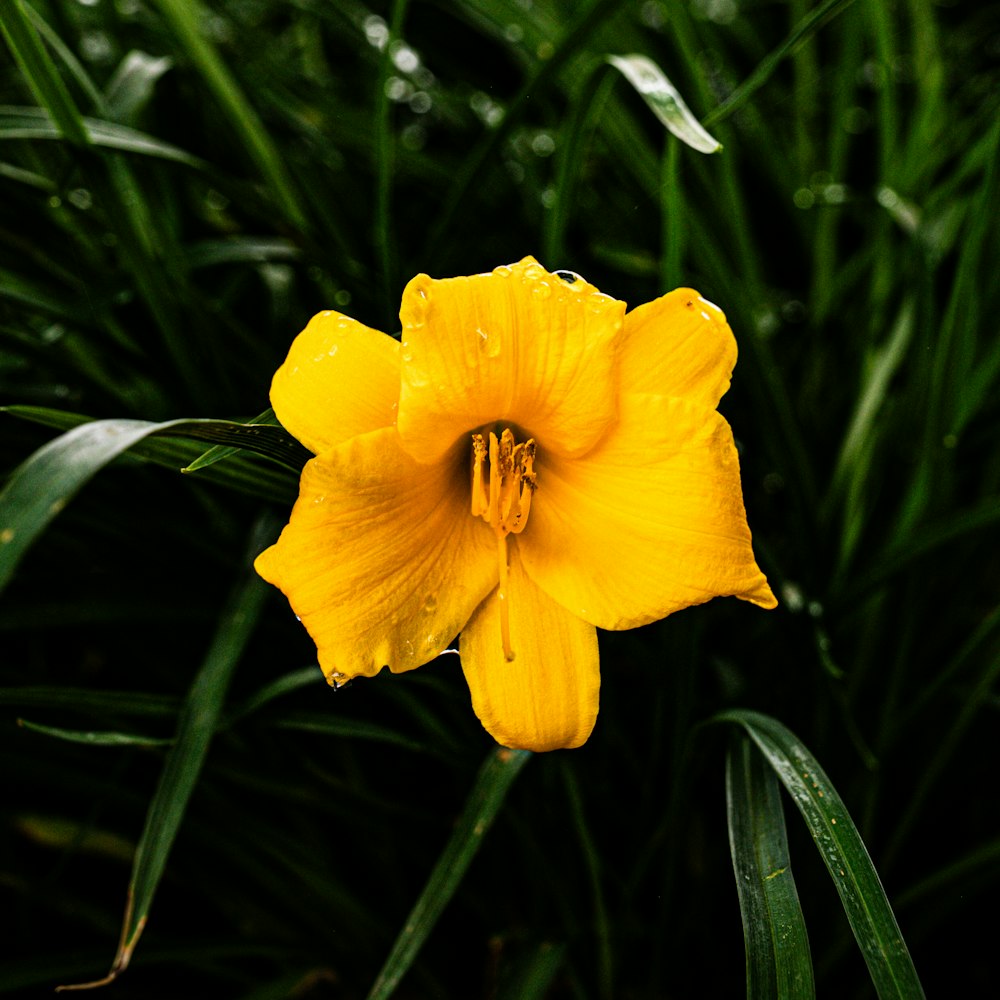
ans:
(430, 603)
(489, 343)
(337, 680)
(570, 277)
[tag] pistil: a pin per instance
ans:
(503, 481)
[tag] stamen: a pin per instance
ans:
(508, 652)
(480, 499)
(503, 481)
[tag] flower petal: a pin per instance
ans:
(651, 521)
(340, 379)
(381, 559)
(519, 346)
(547, 696)
(678, 345)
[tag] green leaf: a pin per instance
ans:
(41, 73)
(664, 101)
(265, 419)
(187, 19)
(533, 979)
(131, 87)
(196, 725)
(36, 123)
(96, 739)
(779, 963)
(495, 777)
(294, 681)
(328, 724)
(89, 701)
(42, 485)
(270, 482)
(805, 28)
(843, 852)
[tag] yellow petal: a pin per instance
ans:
(520, 345)
(340, 379)
(678, 345)
(547, 696)
(381, 559)
(650, 521)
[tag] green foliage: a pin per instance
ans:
(182, 185)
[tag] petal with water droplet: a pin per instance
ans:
(524, 347)
(358, 568)
(341, 378)
(547, 697)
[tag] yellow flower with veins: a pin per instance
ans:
(528, 462)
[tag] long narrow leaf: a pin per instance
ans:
(37, 123)
(663, 99)
(187, 19)
(778, 959)
(492, 783)
(265, 480)
(42, 486)
(40, 72)
(96, 738)
(843, 852)
(195, 728)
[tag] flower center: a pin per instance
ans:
(503, 480)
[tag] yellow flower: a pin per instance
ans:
(529, 462)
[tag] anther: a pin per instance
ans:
(503, 481)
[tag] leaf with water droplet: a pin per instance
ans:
(664, 101)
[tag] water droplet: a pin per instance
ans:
(503, 271)
(430, 604)
(337, 680)
(489, 343)
(541, 289)
(570, 277)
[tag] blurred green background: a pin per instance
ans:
(183, 184)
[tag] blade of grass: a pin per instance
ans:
(42, 485)
(220, 451)
(37, 123)
(384, 158)
(843, 852)
(40, 72)
(585, 20)
(88, 701)
(812, 22)
(570, 159)
(674, 235)
(779, 963)
(96, 738)
(534, 979)
(265, 480)
(184, 761)
(492, 783)
(592, 859)
(186, 18)
(663, 99)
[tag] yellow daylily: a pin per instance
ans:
(527, 463)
